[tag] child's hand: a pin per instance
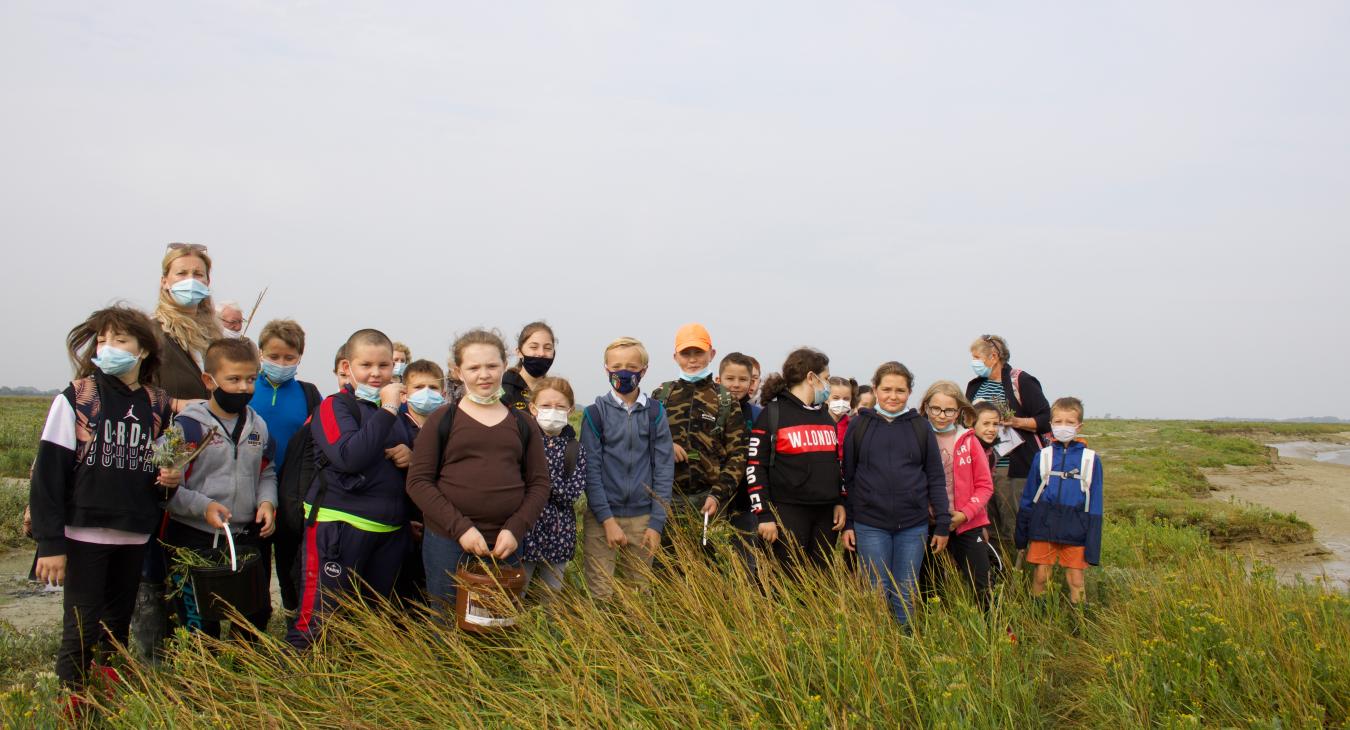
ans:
(51, 570)
(850, 541)
(505, 545)
(401, 455)
(840, 517)
(614, 535)
(267, 515)
(768, 531)
(217, 516)
(391, 394)
(709, 506)
(938, 543)
(958, 519)
(416, 529)
(651, 541)
(170, 478)
(680, 455)
(472, 542)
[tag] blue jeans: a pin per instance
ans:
(442, 557)
(892, 559)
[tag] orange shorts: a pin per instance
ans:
(1048, 553)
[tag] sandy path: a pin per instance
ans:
(1316, 491)
(26, 605)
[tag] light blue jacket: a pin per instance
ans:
(630, 460)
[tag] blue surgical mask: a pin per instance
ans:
(950, 427)
(823, 393)
(113, 361)
(189, 292)
(426, 400)
(625, 381)
(695, 377)
(278, 374)
(887, 413)
(400, 368)
(367, 393)
(981, 370)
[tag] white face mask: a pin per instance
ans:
(839, 407)
(552, 420)
(1064, 434)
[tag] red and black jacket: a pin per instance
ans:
(793, 457)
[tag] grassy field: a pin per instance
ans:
(1179, 633)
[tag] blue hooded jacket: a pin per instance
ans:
(629, 456)
(1059, 516)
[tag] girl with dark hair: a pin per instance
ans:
(93, 495)
(793, 476)
(534, 357)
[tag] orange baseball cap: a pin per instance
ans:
(693, 335)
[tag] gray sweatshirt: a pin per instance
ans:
(241, 477)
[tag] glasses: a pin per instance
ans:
(191, 247)
(936, 412)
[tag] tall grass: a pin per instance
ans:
(1177, 633)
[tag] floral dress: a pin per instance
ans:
(554, 537)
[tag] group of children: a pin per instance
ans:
(393, 482)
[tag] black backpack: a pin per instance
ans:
(303, 463)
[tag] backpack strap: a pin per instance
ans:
(443, 433)
(771, 432)
(1047, 459)
(921, 431)
(312, 396)
(857, 426)
(591, 415)
(88, 409)
(571, 453)
(1085, 469)
(523, 430)
(657, 409)
(1017, 385)
(724, 406)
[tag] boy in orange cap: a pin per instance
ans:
(706, 427)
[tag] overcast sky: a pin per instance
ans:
(1151, 201)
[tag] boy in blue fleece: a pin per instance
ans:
(630, 471)
(356, 510)
(1060, 516)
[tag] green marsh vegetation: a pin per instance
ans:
(1179, 632)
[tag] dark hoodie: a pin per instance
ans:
(93, 466)
(891, 485)
(804, 454)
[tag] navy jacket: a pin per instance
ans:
(1059, 515)
(362, 481)
(892, 485)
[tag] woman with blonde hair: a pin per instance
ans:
(187, 324)
(187, 320)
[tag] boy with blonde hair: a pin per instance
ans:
(1060, 516)
(630, 472)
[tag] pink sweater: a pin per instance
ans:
(972, 485)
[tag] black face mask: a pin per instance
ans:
(231, 403)
(537, 367)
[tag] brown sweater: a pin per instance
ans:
(178, 372)
(480, 482)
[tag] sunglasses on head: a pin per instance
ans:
(193, 247)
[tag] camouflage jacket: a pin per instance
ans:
(706, 421)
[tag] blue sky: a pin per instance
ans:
(1148, 199)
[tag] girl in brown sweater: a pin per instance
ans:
(481, 488)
